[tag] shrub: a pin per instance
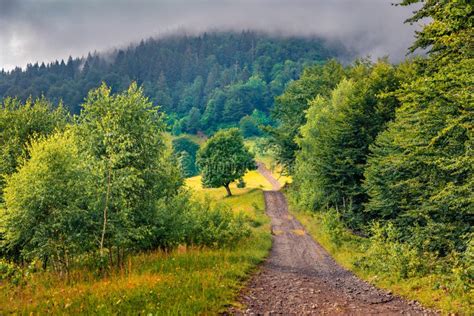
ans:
(172, 221)
(462, 268)
(215, 226)
(241, 183)
(331, 224)
(15, 274)
(183, 220)
(10, 272)
(386, 254)
(46, 214)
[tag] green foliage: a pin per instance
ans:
(105, 187)
(248, 127)
(224, 159)
(394, 145)
(251, 125)
(195, 223)
(464, 267)
(10, 272)
(335, 140)
(216, 226)
(290, 107)
(124, 135)
(386, 254)
(421, 174)
(333, 227)
(425, 157)
(449, 34)
(19, 124)
(192, 121)
(46, 214)
(185, 151)
(241, 183)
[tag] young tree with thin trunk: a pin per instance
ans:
(123, 133)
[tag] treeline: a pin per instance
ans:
(202, 82)
(391, 144)
(93, 188)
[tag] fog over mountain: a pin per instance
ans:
(45, 30)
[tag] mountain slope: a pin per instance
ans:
(202, 82)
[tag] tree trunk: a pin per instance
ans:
(226, 186)
(105, 212)
(45, 262)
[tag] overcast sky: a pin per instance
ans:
(45, 30)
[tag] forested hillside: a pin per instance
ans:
(201, 82)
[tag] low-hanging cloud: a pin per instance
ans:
(45, 30)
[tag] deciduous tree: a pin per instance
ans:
(224, 159)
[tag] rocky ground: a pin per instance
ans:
(300, 277)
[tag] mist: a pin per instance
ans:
(46, 30)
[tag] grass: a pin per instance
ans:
(426, 290)
(252, 179)
(185, 281)
(244, 200)
(190, 281)
(267, 158)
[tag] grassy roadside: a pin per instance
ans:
(185, 281)
(428, 290)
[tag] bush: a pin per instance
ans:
(172, 221)
(46, 214)
(385, 254)
(10, 272)
(215, 226)
(331, 224)
(462, 268)
(195, 223)
(15, 274)
(241, 183)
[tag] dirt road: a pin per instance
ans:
(299, 277)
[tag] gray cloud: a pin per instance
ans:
(45, 30)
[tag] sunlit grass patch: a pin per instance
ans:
(245, 200)
(253, 180)
(198, 139)
(298, 232)
(277, 232)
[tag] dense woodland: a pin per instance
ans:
(202, 82)
(388, 149)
